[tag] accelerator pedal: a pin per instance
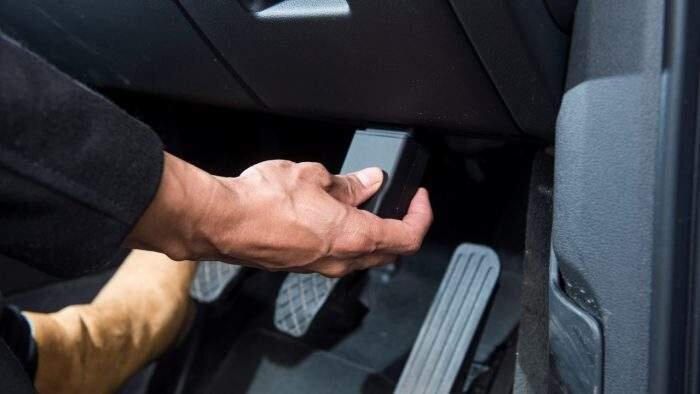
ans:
(211, 279)
(403, 161)
(452, 321)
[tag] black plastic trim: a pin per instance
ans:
(674, 323)
(219, 56)
(526, 63)
(575, 340)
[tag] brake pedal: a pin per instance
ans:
(299, 300)
(446, 334)
(403, 160)
(211, 279)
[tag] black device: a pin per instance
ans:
(401, 158)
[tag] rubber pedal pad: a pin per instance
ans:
(453, 318)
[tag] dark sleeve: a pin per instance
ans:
(76, 172)
(16, 332)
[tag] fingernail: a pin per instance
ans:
(370, 176)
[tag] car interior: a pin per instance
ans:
(533, 125)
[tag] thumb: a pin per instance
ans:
(357, 187)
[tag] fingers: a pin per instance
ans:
(420, 214)
(333, 268)
(364, 233)
(357, 187)
(406, 236)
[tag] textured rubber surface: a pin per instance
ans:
(299, 300)
(452, 320)
(211, 279)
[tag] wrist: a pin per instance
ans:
(170, 223)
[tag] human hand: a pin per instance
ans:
(278, 215)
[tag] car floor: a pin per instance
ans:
(351, 353)
(363, 340)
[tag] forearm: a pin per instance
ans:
(95, 347)
(73, 167)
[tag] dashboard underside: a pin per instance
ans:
(472, 67)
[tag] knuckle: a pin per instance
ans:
(304, 166)
(357, 243)
(334, 271)
(313, 167)
(369, 245)
(266, 166)
(319, 167)
(314, 172)
(350, 187)
(414, 245)
(354, 241)
(280, 163)
(177, 254)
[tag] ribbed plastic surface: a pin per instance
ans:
(211, 279)
(299, 300)
(452, 320)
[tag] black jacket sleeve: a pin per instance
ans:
(76, 172)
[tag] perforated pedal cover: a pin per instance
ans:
(210, 280)
(299, 300)
(446, 334)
